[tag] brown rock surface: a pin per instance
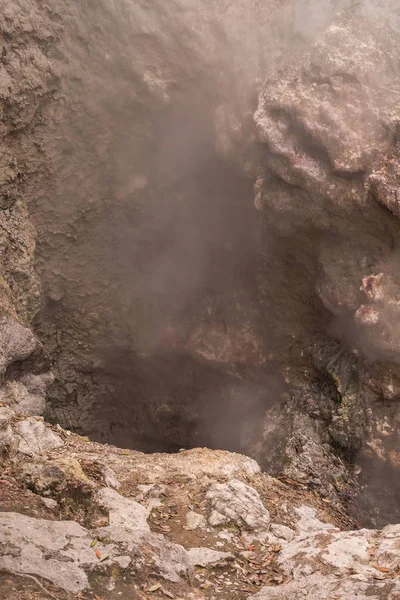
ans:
(178, 273)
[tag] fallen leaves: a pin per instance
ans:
(93, 543)
(154, 587)
(98, 554)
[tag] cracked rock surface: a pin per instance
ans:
(63, 522)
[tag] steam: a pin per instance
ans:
(155, 234)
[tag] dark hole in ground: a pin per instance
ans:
(181, 252)
(172, 401)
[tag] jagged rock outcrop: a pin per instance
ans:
(329, 128)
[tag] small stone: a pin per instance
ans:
(50, 503)
(202, 557)
(195, 521)
(282, 532)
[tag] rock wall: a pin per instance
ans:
(136, 208)
(329, 128)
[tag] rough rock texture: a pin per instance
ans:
(354, 565)
(237, 503)
(63, 524)
(125, 102)
(329, 125)
(199, 276)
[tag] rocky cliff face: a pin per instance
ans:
(199, 234)
(329, 128)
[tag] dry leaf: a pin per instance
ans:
(93, 543)
(154, 587)
(167, 593)
(381, 569)
(98, 554)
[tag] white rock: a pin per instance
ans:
(326, 587)
(328, 563)
(195, 521)
(347, 549)
(202, 557)
(282, 532)
(128, 526)
(17, 395)
(123, 512)
(123, 561)
(308, 521)
(226, 535)
(237, 503)
(151, 494)
(57, 551)
(49, 502)
(35, 437)
(387, 553)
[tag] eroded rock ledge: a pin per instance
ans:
(90, 520)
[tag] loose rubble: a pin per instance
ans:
(198, 524)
